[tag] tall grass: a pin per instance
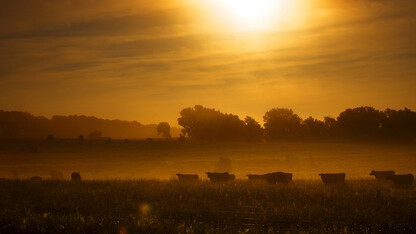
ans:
(151, 206)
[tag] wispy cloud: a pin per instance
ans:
(172, 54)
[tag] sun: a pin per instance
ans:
(250, 10)
(253, 14)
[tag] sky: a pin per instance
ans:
(146, 60)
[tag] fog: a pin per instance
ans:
(98, 159)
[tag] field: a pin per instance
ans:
(57, 159)
(360, 206)
(129, 187)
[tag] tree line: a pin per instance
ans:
(205, 124)
(280, 124)
(16, 124)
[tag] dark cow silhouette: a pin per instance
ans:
(187, 177)
(76, 176)
(36, 178)
(278, 177)
(382, 175)
(254, 177)
(401, 180)
(332, 178)
(220, 177)
(272, 178)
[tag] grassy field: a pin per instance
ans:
(163, 159)
(151, 206)
(129, 187)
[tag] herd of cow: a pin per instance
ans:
(281, 177)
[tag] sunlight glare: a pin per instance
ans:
(254, 14)
(250, 10)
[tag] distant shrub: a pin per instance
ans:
(95, 135)
(80, 138)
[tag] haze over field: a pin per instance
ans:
(163, 159)
(144, 61)
(207, 116)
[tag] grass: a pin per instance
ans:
(154, 206)
(24, 158)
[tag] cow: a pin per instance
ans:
(401, 180)
(253, 177)
(278, 177)
(76, 176)
(382, 175)
(37, 178)
(332, 178)
(187, 177)
(220, 177)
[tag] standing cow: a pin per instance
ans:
(220, 177)
(187, 177)
(382, 175)
(278, 177)
(401, 180)
(76, 176)
(332, 178)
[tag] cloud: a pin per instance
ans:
(173, 54)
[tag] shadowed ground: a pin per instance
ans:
(173, 207)
(164, 159)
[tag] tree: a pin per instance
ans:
(254, 131)
(399, 124)
(211, 125)
(281, 124)
(313, 128)
(164, 129)
(360, 122)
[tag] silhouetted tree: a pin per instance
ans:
(399, 124)
(211, 125)
(254, 131)
(331, 127)
(282, 124)
(182, 138)
(164, 129)
(361, 123)
(313, 129)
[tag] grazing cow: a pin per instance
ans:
(76, 176)
(332, 178)
(256, 177)
(37, 178)
(401, 180)
(220, 177)
(187, 177)
(381, 175)
(278, 177)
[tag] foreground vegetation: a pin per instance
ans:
(150, 206)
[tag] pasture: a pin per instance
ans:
(131, 187)
(152, 206)
(102, 160)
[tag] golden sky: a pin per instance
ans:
(146, 60)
